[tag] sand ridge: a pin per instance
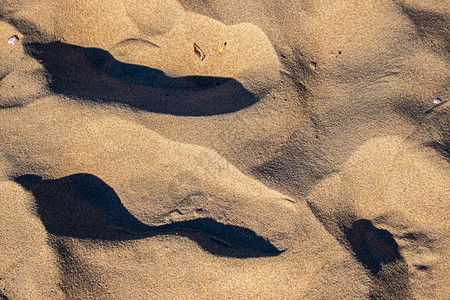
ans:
(224, 149)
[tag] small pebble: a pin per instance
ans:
(437, 101)
(14, 39)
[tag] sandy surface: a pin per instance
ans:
(217, 149)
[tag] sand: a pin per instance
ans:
(219, 149)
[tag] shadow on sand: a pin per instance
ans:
(94, 74)
(83, 206)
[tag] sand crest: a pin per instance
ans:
(224, 150)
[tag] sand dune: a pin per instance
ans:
(224, 150)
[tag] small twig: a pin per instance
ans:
(199, 52)
(437, 105)
(223, 47)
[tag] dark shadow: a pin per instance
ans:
(429, 24)
(442, 148)
(83, 206)
(94, 74)
(373, 247)
(28, 181)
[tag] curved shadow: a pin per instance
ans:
(377, 250)
(83, 206)
(95, 74)
(373, 247)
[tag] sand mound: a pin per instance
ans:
(213, 149)
(380, 201)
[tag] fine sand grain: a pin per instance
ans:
(212, 149)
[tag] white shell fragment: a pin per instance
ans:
(14, 39)
(437, 101)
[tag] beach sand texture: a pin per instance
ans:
(212, 149)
